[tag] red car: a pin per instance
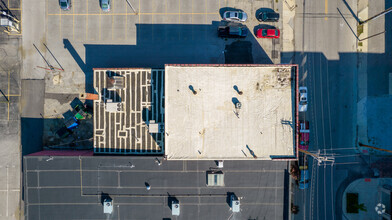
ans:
(304, 141)
(304, 135)
(267, 33)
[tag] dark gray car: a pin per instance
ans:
(268, 16)
(65, 4)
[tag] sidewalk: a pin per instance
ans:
(370, 193)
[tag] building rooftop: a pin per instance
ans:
(130, 101)
(229, 112)
(75, 187)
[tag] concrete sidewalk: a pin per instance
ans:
(370, 193)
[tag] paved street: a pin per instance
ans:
(326, 51)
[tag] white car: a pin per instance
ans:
(235, 16)
(303, 99)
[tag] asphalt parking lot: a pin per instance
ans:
(73, 188)
(159, 32)
(156, 33)
(10, 92)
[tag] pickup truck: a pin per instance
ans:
(232, 31)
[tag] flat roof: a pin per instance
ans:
(74, 187)
(129, 101)
(203, 122)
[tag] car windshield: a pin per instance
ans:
(264, 32)
(63, 4)
(227, 15)
(276, 32)
(104, 5)
(304, 143)
(302, 91)
(240, 15)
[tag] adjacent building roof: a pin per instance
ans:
(229, 112)
(130, 101)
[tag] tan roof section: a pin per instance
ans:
(207, 125)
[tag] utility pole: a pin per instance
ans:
(319, 158)
(376, 16)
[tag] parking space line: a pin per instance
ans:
(326, 9)
(192, 16)
(87, 20)
(112, 27)
(73, 23)
(179, 11)
(126, 21)
(156, 187)
(8, 98)
(206, 11)
(60, 21)
(144, 13)
(158, 171)
(99, 29)
(139, 11)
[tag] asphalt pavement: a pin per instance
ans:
(326, 53)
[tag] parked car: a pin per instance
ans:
(303, 99)
(233, 30)
(304, 127)
(268, 16)
(65, 4)
(235, 16)
(303, 140)
(304, 181)
(267, 33)
(105, 5)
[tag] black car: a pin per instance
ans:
(268, 16)
(232, 31)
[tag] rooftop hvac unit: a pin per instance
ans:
(175, 207)
(114, 106)
(154, 127)
(115, 82)
(108, 206)
(235, 203)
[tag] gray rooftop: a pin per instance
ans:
(129, 106)
(74, 188)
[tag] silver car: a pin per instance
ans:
(105, 5)
(65, 4)
(235, 16)
(303, 99)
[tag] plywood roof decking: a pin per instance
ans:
(206, 125)
(126, 131)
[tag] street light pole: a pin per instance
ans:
(376, 16)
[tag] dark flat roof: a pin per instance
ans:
(59, 187)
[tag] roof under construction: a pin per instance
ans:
(229, 112)
(128, 116)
